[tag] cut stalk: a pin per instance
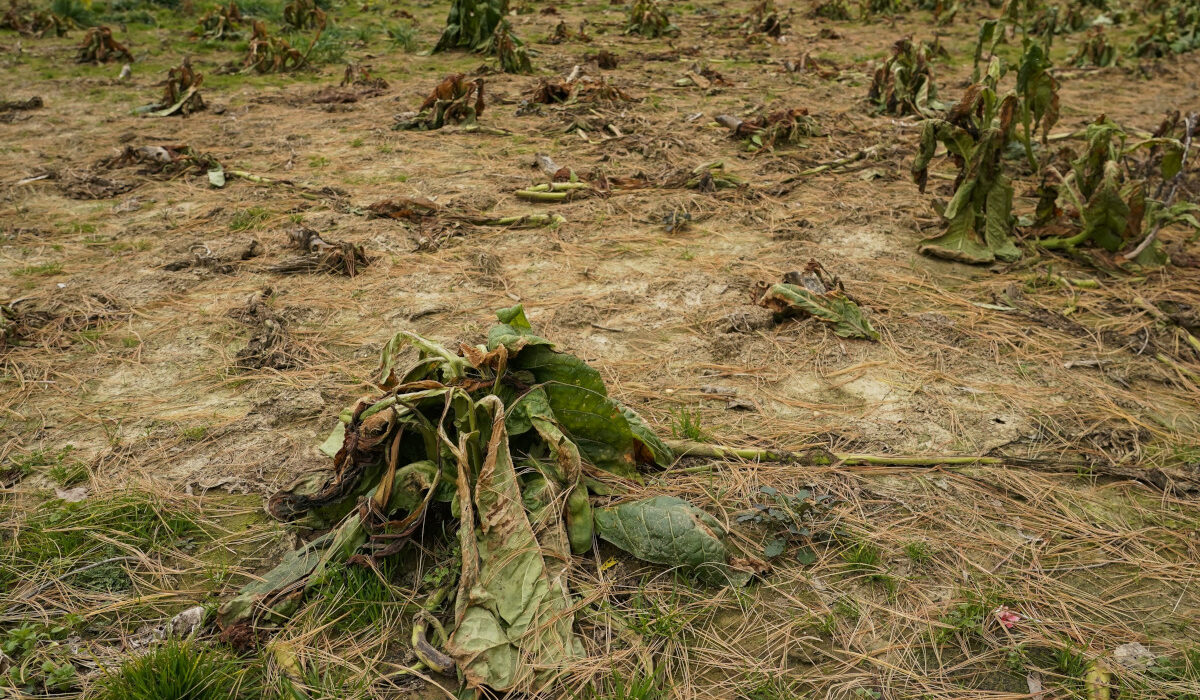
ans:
(688, 448)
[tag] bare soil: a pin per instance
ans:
(141, 345)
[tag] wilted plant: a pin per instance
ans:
(647, 18)
(712, 176)
(219, 22)
(563, 33)
(944, 12)
(577, 89)
(181, 94)
(99, 46)
(764, 20)
(273, 54)
(471, 24)
(358, 75)
(870, 8)
(1052, 20)
(904, 84)
(991, 33)
(37, 23)
(304, 14)
(1117, 197)
(503, 443)
(510, 51)
(765, 131)
(831, 9)
(320, 255)
(170, 161)
(1176, 31)
(1038, 92)
(1096, 51)
(814, 293)
(455, 100)
(978, 217)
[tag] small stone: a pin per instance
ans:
(1133, 655)
(186, 623)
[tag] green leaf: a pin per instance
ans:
(959, 242)
(333, 443)
(774, 548)
(514, 331)
(1172, 160)
(1106, 215)
(549, 365)
(670, 531)
(806, 556)
(515, 317)
(596, 424)
(216, 178)
(998, 222)
(452, 366)
(658, 452)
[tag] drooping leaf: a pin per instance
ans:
(453, 365)
(670, 531)
(653, 449)
(960, 242)
(998, 224)
(832, 307)
(1106, 215)
(513, 621)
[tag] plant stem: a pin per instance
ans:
(1061, 243)
(689, 448)
(533, 196)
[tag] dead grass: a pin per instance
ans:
(137, 366)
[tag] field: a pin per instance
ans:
(972, 477)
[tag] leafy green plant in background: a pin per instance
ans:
(1095, 50)
(74, 11)
(36, 658)
(454, 429)
(979, 220)
(904, 84)
(471, 24)
(1038, 93)
(509, 50)
(647, 18)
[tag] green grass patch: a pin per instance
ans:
(177, 670)
(45, 269)
(249, 219)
